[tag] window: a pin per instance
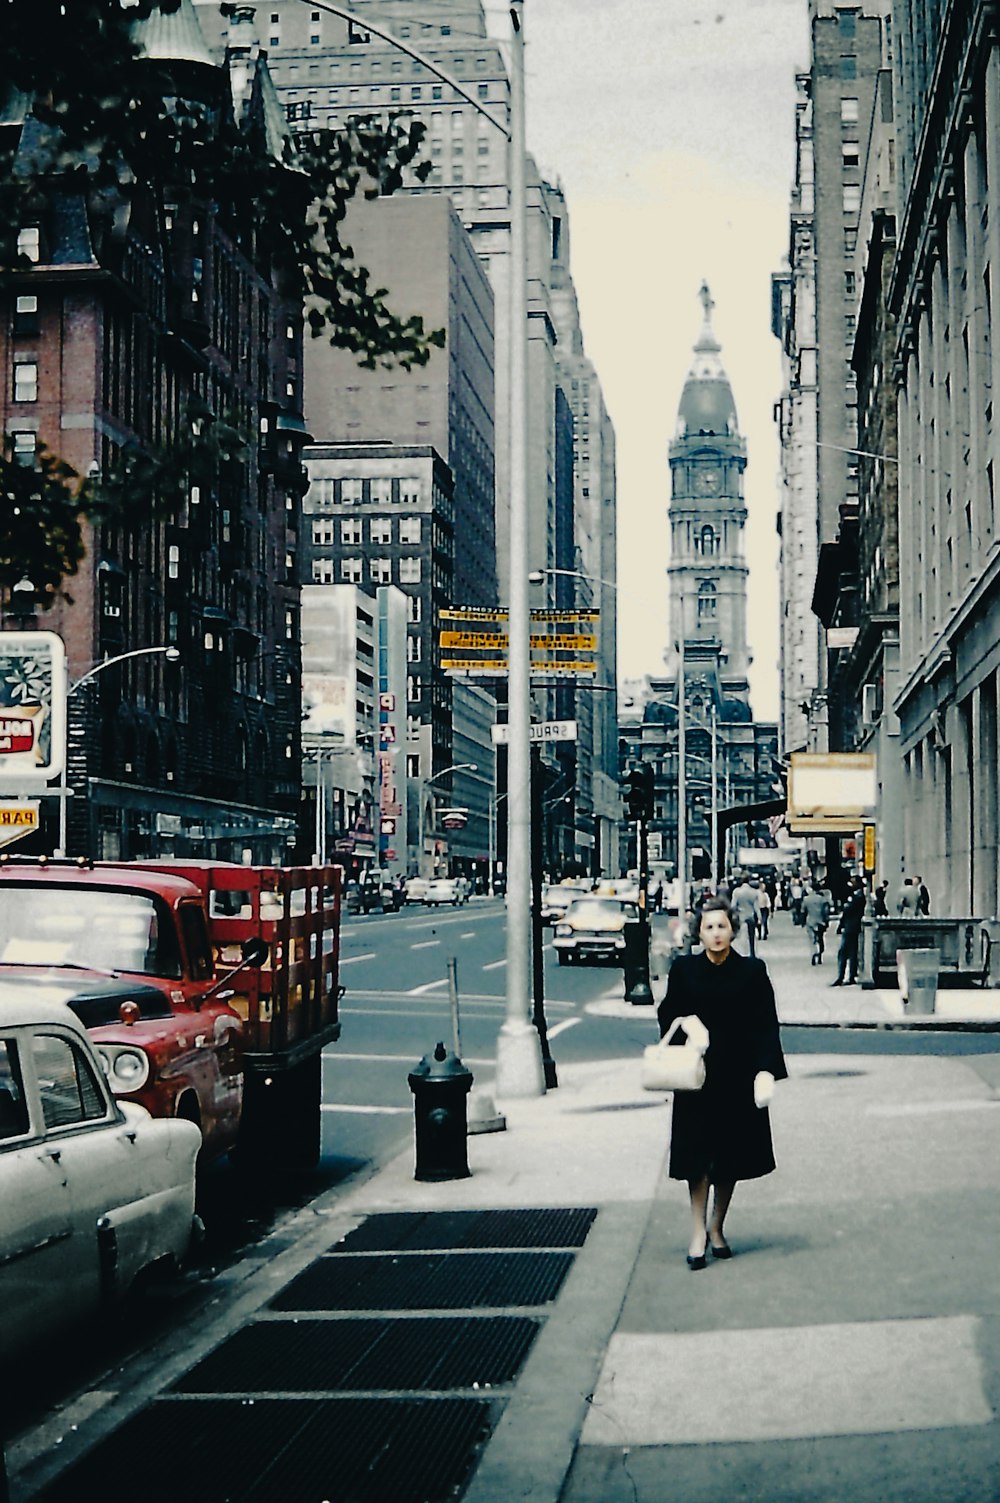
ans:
(409, 530)
(707, 601)
(416, 91)
(380, 570)
(322, 571)
(850, 152)
(413, 649)
(412, 688)
(409, 491)
(852, 198)
(380, 490)
(351, 491)
(380, 530)
(409, 571)
(846, 21)
(351, 570)
(66, 1083)
(850, 242)
(436, 91)
(322, 531)
(29, 242)
(395, 95)
(13, 1108)
(848, 67)
(848, 111)
(24, 448)
(483, 90)
(849, 284)
(414, 609)
(26, 381)
(350, 530)
(26, 314)
(173, 561)
(707, 541)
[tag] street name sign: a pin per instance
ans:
(543, 730)
(17, 820)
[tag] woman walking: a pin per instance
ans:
(722, 1133)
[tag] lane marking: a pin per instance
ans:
(352, 959)
(366, 1111)
(494, 965)
(428, 986)
(561, 1027)
(425, 944)
(470, 934)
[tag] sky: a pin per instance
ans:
(670, 125)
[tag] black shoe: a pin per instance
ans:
(836, 983)
(725, 1251)
(696, 1264)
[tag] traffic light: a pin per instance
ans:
(639, 791)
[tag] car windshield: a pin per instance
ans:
(599, 910)
(99, 929)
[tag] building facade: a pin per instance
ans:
(110, 341)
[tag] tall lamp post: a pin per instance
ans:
(425, 784)
(172, 655)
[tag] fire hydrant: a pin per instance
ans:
(440, 1084)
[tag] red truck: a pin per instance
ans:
(210, 989)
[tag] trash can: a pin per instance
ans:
(917, 972)
(635, 962)
(440, 1084)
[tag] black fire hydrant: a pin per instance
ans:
(440, 1086)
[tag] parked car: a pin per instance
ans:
(445, 890)
(593, 928)
(415, 889)
(94, 1191)
(557, 897)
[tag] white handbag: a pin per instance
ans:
(676, 1067)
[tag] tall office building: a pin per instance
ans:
(814, 316)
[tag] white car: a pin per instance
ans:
(445, 890)
(93, 1192)
(593, 928)
(414, 889)
(557, 897)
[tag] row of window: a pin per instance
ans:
(377, 94)
(379, 530)
(352, 571)
(380, 490)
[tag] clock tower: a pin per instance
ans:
(708, 569)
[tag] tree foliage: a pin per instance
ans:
(124, 132)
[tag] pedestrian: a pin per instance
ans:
(765, 901)
(880, 897)
(849, 930)
(658, 897)
(796, 898)
(923, 898)
(746, 903)
(908, 899)
(816, 908)
(722, 1133)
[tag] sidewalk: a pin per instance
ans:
(849, 1350)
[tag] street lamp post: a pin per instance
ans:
(424, 784)
(172, 655)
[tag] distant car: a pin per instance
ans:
(445, 890)
(593, 928)
(94, 1191)
(557, 897)
(414, 889)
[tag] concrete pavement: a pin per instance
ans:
(849, 1350)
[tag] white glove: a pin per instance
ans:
(763, 1088)
(695, 1032)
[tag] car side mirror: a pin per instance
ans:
(254, 951)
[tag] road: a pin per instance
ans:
(395, 969)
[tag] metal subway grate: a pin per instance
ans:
(427, 1281)
(404, 1354)
(279, 1450)
(401, 1231)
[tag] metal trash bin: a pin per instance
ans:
(440, 1084)
(917, 973)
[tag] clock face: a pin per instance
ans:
(709, 481)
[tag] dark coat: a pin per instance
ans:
(718, 1130)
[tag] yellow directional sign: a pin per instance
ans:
(564, 641)
(476, 614)
(565, 618)
(472, 613)
(17, 820)
(487, 639)
(581, 667)
(474, 665)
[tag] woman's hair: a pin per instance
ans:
(719, 905)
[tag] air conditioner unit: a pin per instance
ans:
(869, 704)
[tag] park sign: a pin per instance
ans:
(32, 710)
